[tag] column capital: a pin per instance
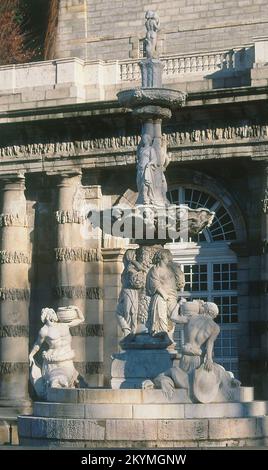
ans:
(64, 173)
(113, 254)
(14, 180)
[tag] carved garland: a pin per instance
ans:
(14, 220)
(78, 292)
(89, 367)
(87, 330)
(78, 254)
(14, 294)
(69, 217)
(17, 257)
(11, 367)
(13, 331)
(179, 137)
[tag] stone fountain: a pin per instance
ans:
(157, 396)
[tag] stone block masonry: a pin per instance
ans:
(91, 29)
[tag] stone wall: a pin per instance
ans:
(95, 29)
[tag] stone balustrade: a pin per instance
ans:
(73, 80)
(207, 62)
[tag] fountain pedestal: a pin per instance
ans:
(143, 357)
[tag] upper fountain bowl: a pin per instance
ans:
(152, 101)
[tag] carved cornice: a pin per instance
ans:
(69, 217)
(14, 294)
(11, 367)
(87, 330)
(78, 254)
(13, 331)
(14, 220)
(16, 257)
(77, 292)
(89, 367)
(183, 135)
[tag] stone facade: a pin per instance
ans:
(62, 129)
(93, 30)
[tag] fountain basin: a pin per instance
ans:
(162, 97)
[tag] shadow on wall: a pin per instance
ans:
(234, 69)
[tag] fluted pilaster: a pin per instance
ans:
(14, 294)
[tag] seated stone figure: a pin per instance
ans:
(57, 368)
(196, 371)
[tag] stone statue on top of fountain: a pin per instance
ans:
(152, 27)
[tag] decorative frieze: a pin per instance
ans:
(69, 217)
(78, 254)
(15, 220)
(78, 292)
(11, 367)
(87, 330)
(13, 331)
(182, 135)
(89, 367)
(14, 294)
(16, 257)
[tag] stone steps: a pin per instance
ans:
(151, 411)
(131, 433)
(129, 396)
(106, 418)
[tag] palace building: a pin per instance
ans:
(65, 138)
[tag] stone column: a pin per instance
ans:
(94, 290)
(112, 269)
(69, 287)
(14, 296)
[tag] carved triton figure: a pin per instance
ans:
(57, 369)
(196, 371)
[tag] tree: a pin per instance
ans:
(14, 38)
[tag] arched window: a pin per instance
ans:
(210, 268)
(222, 227)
